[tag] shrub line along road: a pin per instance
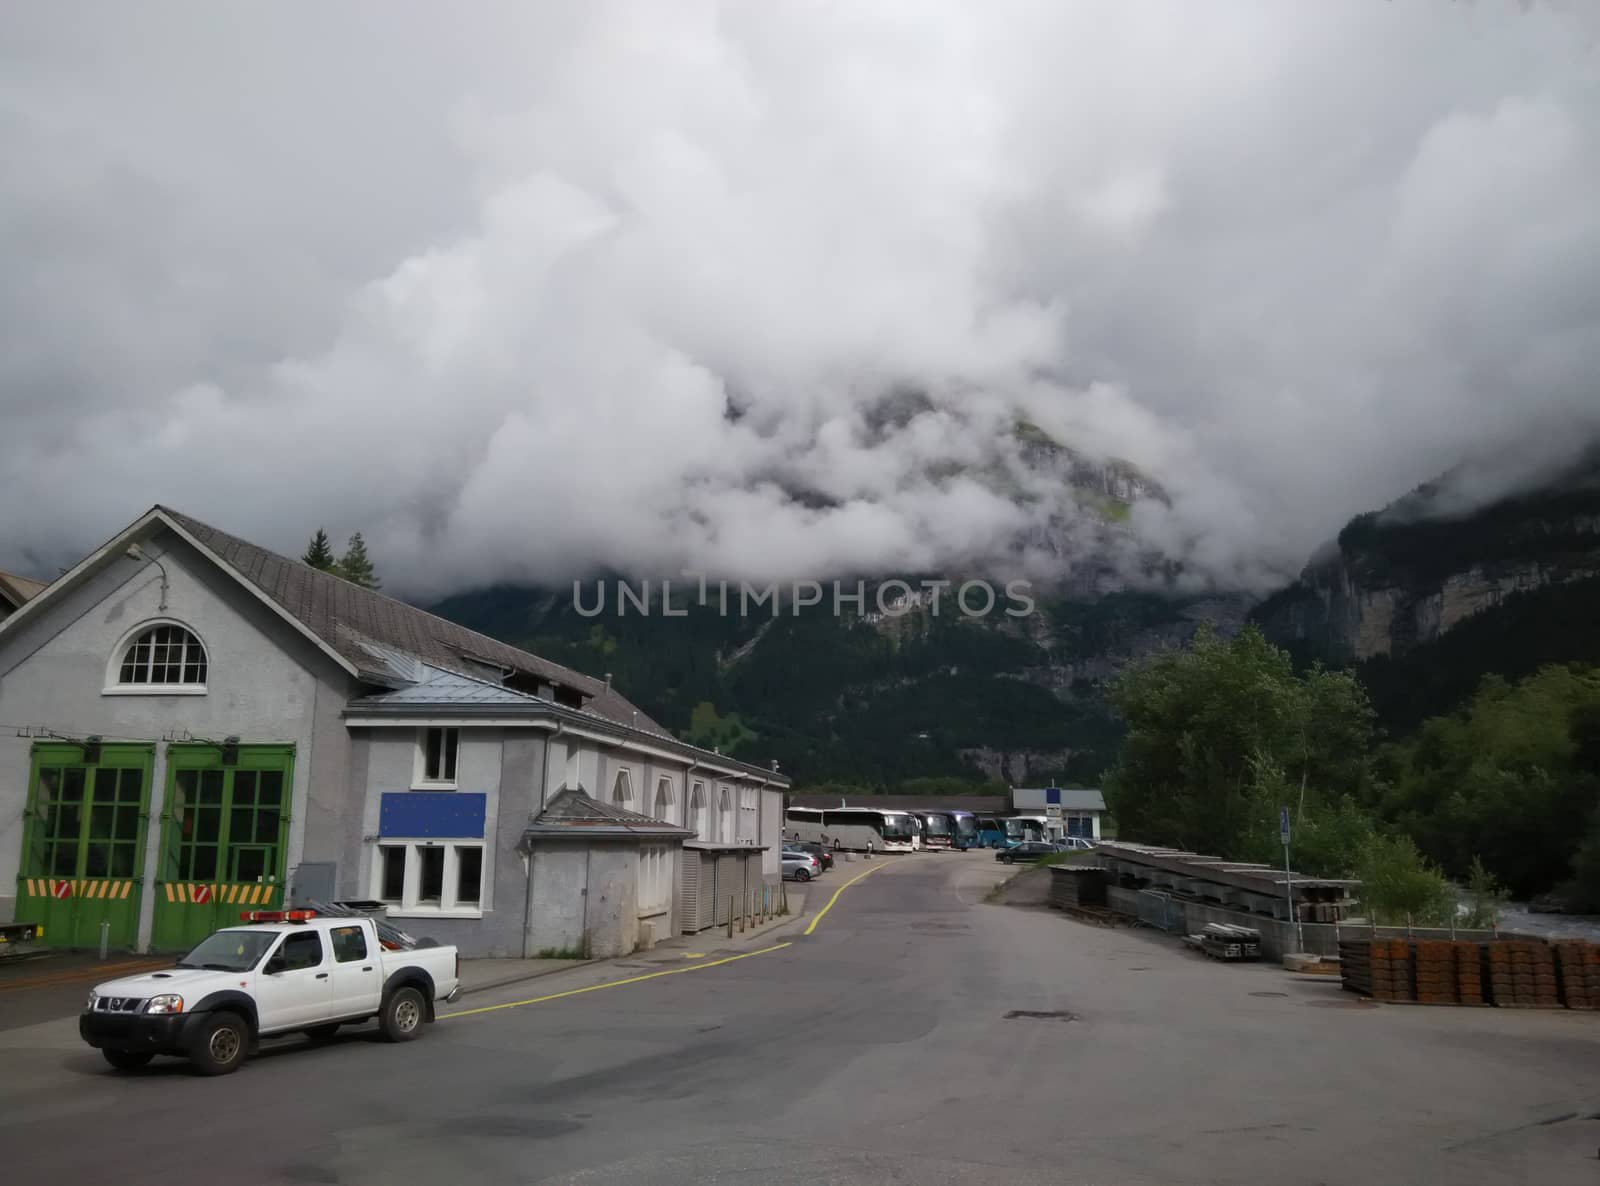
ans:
(918, 1035)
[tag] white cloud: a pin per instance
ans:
(487, 286)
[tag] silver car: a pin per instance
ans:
(800, 866)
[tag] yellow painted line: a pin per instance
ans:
(694, 955)
(573, 992)
(835, 897)
(126, 886)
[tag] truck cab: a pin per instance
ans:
(277, 973)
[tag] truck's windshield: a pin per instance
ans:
(229, 951)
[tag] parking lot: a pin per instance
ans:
(919, 1033)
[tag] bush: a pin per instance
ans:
(1398, 884)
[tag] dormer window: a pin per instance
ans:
(162, 658)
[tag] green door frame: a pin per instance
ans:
(196, 892)
(67, 897)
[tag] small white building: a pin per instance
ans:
(191, 725)
(1079, 811)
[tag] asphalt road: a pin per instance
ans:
(876, 1050)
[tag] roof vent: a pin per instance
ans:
(608, 681)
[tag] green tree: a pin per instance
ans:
(355, 565)
(1398, 884)
(1510, 780)
(319, 553)
(1223, 733)
(1584, 892)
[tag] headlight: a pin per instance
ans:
(170, 1003)
(93, 997)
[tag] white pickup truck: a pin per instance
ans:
(281, 973)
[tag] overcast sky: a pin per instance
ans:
(485, 282)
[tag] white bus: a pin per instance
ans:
(855, 829)
(1025, 827)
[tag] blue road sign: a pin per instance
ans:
(1283, 824)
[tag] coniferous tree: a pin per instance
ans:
(319, 553)
(355, 565)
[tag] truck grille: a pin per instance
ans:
(118, 1004)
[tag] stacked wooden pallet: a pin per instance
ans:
(1510, 973)
(1469, 974)
(1522, 974)
(1435, 971)
(1378, 968)
(1578, 972)
(1355, 965)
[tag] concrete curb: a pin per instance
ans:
(519, 977)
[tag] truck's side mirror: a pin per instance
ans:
(275, 965)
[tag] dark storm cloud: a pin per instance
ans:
(485, 284)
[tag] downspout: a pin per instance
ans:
(544, 796)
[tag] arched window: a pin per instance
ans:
(724, 819)
(622, 789)
(164, 656)
(697, 812)
(663, 807)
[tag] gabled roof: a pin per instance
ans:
(370, 635)
(572, 812)
(14, 590)
(348, 619)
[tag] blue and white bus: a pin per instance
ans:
(854, 829)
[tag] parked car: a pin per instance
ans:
(1026, 850)
(800, 866)
(282, 972)
(817, 850)
(1074, 844)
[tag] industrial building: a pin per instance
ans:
(191, 725)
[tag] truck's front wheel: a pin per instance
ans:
(402, 1015)
(219, 1044)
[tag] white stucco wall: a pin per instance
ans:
(264, 684)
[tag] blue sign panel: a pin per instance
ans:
(446, 815)
(1283, 824)
(1052, 795)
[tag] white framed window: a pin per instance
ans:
(163, 658)
(429, 876)
(663, 805)
(437, 751)
(655, 863)
(749, 820)
(696, 819)
(622, 789)
(724, 817)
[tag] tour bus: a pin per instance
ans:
(949, 829)
(991, 831)
(1025, 827)
(854, 829)
(936, 829)
(963, 829)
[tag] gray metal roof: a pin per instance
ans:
(572, 812)
(437, 687)
(350, 619)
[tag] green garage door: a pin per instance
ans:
(83, 842)
(223, 838)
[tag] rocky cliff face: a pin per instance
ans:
(1399, 578)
